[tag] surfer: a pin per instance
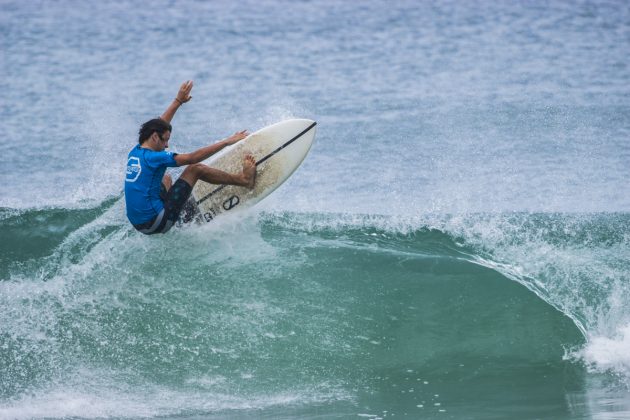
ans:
(154, 203)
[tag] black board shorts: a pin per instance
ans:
(174, 201)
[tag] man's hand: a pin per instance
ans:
(183, 95)
(236, 137)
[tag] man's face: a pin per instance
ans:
(163, 140)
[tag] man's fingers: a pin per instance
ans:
(186, 86)
(187, 89)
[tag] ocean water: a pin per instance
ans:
(456, 244)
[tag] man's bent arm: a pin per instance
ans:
(205, 152)
(200, 154)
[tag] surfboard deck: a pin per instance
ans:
(279, 149)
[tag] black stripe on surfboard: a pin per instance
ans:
(216, 190)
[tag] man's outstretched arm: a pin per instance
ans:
(182, 97)
(205, 152)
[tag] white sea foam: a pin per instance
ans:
(97, 401)
(608, 353)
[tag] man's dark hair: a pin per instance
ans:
(156, 125)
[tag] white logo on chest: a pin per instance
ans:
(133, 169)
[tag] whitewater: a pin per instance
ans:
(455, 245)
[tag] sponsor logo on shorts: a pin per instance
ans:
(133, 169)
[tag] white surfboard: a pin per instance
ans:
(278, 149)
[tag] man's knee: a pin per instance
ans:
(167, 180)
(192, 173)
(194, 169)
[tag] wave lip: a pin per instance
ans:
(576, 262)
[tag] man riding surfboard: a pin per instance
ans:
(153, 202)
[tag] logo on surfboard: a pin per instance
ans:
(231, 202)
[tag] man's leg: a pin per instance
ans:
(178, 194)
(247, 178)
(167, 181)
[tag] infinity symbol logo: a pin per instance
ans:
(231, 202)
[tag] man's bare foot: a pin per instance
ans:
(249, 171)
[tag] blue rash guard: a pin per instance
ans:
(145, 169)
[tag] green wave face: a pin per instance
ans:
(301, 315)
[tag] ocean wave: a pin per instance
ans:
(577, 263)
(302, 297)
